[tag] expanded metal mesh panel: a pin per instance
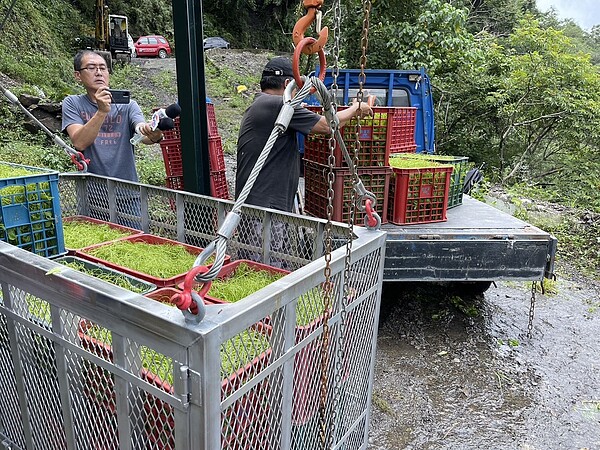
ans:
(88, 365)
(281, 240)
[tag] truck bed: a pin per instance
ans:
(478, 242)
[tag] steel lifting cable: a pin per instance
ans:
(76, 157)
(191, 302)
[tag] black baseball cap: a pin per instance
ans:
(279, 66)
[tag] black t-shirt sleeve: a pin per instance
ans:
(303, 120)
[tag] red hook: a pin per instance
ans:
(76, 158)
(372, 221)
(296, 63)
(302, 25)
(184, 299)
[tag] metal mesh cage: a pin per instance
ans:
(86, 364)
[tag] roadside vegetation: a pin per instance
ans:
(515, 88)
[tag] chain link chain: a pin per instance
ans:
(328, 437)
(531, 311)
(325, 436)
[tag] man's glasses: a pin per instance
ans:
(93, 67)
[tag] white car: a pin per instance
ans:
(131, 46)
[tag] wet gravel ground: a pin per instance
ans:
(460, 374)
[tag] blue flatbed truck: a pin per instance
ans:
(478, 244)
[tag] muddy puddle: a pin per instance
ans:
(462, 374)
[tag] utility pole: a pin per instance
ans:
(191, 87)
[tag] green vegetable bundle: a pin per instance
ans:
(235, 352)
(243, 282)
(79, 234)
(157, 260)
(413, 162)
(8, 171)
(112, 277)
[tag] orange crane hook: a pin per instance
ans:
(312, 7)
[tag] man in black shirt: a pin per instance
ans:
(277, 182)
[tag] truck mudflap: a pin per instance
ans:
(478, 242)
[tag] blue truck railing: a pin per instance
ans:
(393, 88)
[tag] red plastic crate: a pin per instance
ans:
(306, 374)
(402, 130)
(405, 149)
(239, 417)
(213, 130)
(174, 183)
(163, 295)
(375, 180)
(419, 195)
(148, 239)
(389, 130)
(171, 151)
(159, 418)
(218, 184)
(174, 134)
(172, 157)
(124, 229)
(215, 153)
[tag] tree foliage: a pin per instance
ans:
(528, 107)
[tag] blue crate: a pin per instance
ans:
(30, 215)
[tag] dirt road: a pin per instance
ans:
(445, 380)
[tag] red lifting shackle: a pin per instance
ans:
(372, 221)
(184, 299)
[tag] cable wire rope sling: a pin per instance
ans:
(191, 302)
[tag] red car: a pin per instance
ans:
(152, 46)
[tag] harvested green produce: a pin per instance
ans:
(235, 353)
(38, 308)
(79, 234)
(157, 260)
(37, 194)
(246, 280)
(429, 156)
(310, 306)
(410, 162)
(110, 277)
(240, 350)
(7, 171)
(243, 282)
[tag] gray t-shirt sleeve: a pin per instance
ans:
(70, 113)
(135, 116)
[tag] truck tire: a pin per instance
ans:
(162, 53)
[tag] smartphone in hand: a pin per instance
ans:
(120, 96)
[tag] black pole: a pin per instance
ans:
(187, 21)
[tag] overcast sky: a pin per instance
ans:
(585, 12)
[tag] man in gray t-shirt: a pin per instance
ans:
(99, 128)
